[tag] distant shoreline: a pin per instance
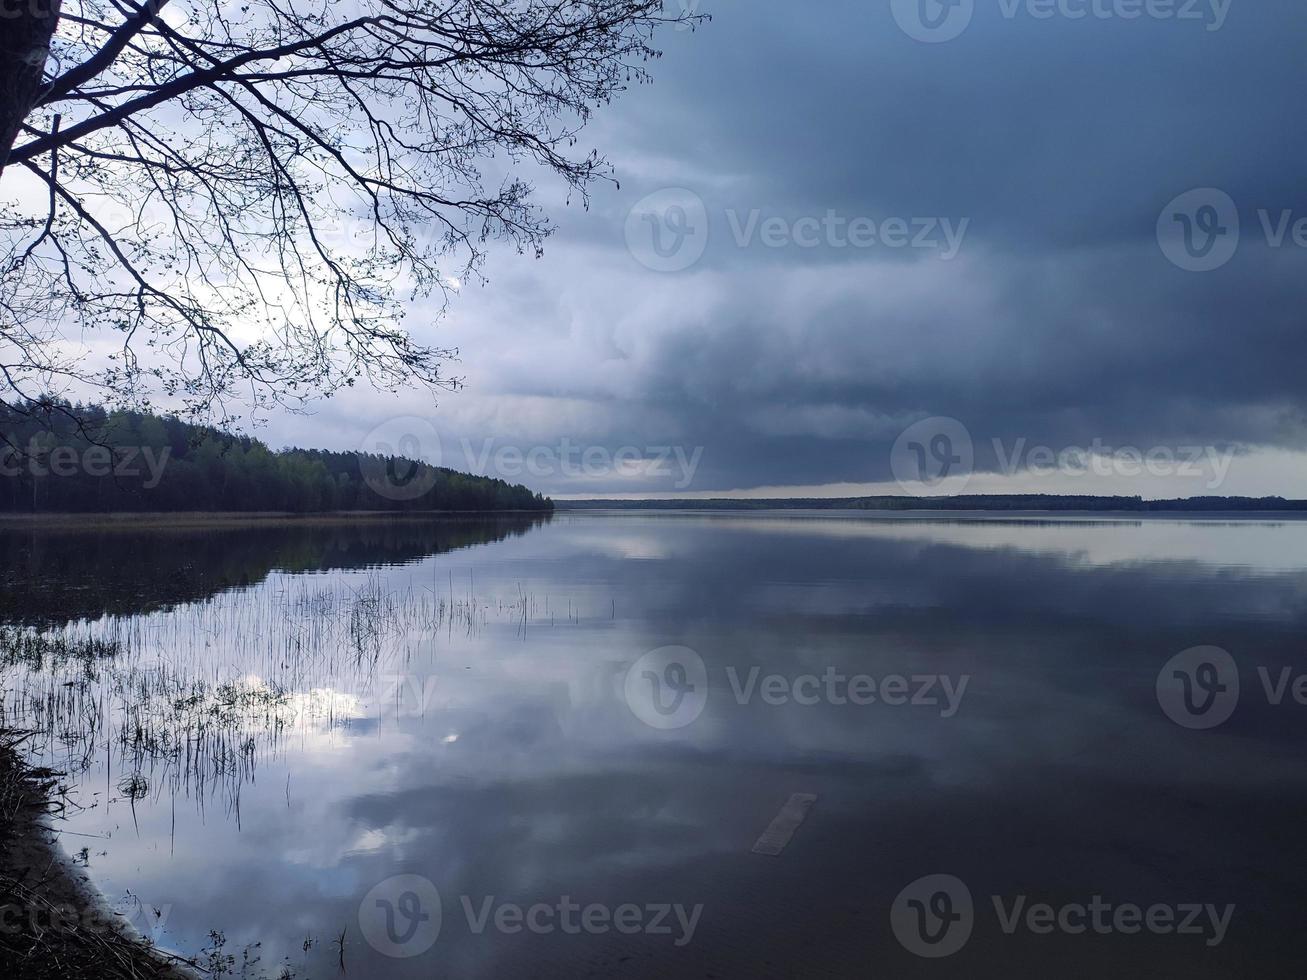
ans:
(986, 503)
(1013, 506)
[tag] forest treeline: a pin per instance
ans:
(67, 458)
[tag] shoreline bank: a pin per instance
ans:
(54, 922)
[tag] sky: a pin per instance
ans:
(902, 246)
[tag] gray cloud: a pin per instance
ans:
(1059, 321)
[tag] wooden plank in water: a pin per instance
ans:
(778, 833)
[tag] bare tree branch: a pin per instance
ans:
(246, 200)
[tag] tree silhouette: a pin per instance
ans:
(238, 199)
(146, 462)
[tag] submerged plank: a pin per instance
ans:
(779, 832)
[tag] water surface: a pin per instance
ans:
(269, 732)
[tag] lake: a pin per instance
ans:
(680, 744)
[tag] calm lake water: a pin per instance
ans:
(466, 747)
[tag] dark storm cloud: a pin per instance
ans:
(1051, 146)
(1069, 132)
(1061, 140)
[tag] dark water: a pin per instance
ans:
(432, 739)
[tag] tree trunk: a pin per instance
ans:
(25, 30)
